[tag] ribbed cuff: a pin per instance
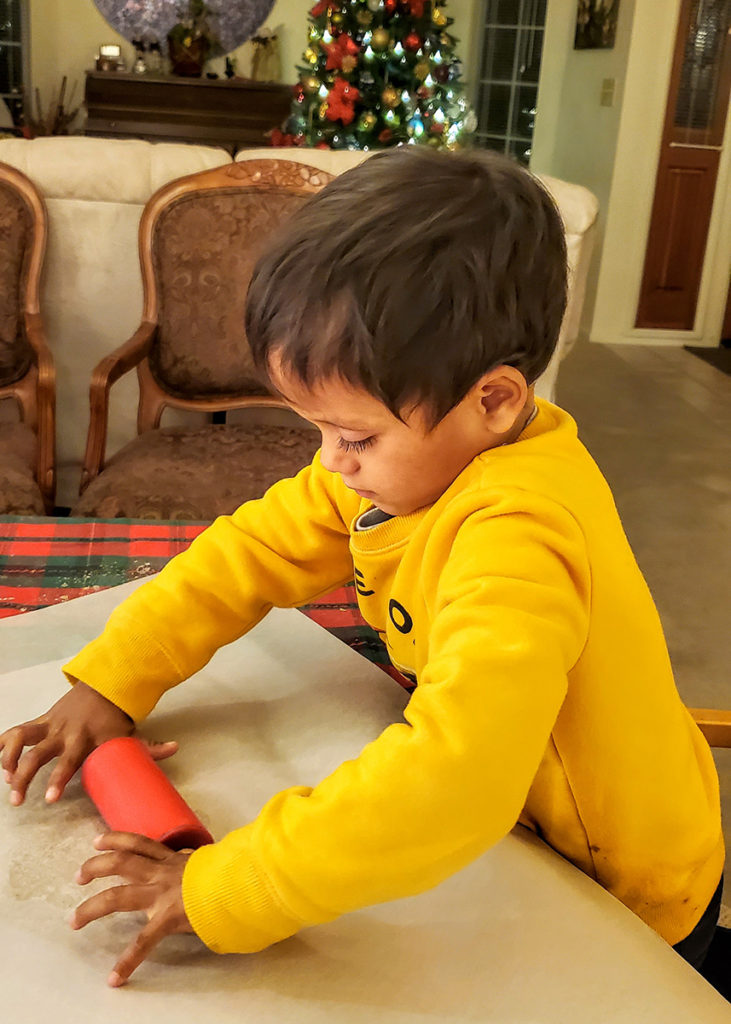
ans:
(228, 902)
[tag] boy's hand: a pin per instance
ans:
(153, 882)
(74, 726)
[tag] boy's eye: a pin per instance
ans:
(355, 446)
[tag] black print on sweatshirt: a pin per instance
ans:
(360, 585)
(400, 617)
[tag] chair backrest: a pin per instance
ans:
(22, 245)
(199, 240)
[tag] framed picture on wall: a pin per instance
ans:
(596, 24)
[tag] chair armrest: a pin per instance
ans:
(105, 373)
(714, 724)
(45, 406)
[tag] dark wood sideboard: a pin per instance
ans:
(235, 114)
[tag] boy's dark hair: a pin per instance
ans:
(411, 276)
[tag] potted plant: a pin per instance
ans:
(190, 41)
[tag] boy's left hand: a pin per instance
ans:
(153, 883)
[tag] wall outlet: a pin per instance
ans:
(606, 97)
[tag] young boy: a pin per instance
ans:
(406, 311)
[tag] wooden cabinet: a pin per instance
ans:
(235, 114)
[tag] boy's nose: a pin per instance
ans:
(335, 459)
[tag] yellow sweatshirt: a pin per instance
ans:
(545, 694)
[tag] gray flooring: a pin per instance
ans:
(658, 422)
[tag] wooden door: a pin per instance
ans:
(688, 166)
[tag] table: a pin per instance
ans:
(518, 936)
(46, 560)
(232, 113)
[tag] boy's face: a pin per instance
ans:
(398, 466)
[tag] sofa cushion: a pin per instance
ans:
(195, 474)
(20, 495)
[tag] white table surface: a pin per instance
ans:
(518, 937)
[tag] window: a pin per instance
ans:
(508, 86)
(13, 61)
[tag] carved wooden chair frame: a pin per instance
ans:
(300, 179)
(35, 391)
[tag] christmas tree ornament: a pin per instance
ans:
(381, 39)
(438, 17)
(337, 18)
(373, 5)
(367, 121)
(412, 42)
(310, 55)
(390, 97)
(390, 6)
(441, 73)
(311, 84)
(364, 18)
(421, 70)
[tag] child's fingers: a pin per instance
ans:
(111, 901)
(130, 866)
(139, 949)
(131, 842)
(28, 765)
(159, 751)
(63, 771)
(13, 740)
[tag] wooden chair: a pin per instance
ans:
(714, 724)
(199, 238)
(27, 374)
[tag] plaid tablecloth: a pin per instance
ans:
(47, 560)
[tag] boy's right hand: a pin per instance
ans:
(74, 726)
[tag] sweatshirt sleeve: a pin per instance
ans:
(508, 617)
(279, 551)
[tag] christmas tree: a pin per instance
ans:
(378, 73)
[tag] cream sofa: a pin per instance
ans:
(95, 190)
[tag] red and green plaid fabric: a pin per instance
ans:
(46, 560)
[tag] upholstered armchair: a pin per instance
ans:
(199, 238)
(27, 375)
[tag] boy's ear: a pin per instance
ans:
(502, 393)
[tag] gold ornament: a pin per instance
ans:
(390, 97)
(310, 84)
(439, 17)
(445, 39)
(349, 63)
(380, 39)
(421, 70)
(367, 121)
(323, 110)
(337, 18)
(310, 55)
(364, 18)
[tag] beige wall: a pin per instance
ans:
(65, 37)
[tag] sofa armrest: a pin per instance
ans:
(106, 372)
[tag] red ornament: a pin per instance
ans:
(322, 145)
(412, 42)
(390, 6)
(385, 135)
(279, 138)
(319, 9)
(342, 47)
(417, 8)
(341, 102)
(436, 128)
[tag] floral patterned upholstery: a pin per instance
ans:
(20, 495)
(205, 246)
(195, 474)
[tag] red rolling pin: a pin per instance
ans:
(133, 794)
